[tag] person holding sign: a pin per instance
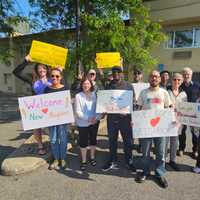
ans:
(119, 122)
(192, 89)
(154, 97)
(38, 85)
(87, 121)
(177, 95)
(58, 133)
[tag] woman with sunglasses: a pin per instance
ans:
(38, 86)
(58, 133)
(177, 95)
(87, 121)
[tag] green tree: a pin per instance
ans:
(103, 28)
(9, 19)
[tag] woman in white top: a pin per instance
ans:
(176, 95)
(87, 121)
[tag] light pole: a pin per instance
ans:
(78, 34)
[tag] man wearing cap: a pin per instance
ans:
(119, 122)
(92, 77)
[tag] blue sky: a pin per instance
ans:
(22, 6)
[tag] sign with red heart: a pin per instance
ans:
(154, 123)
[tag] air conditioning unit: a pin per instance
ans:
(182, 55)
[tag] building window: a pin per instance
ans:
(7, 79)
(197, 38)
(184, 38)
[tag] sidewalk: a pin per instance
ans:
(25, 158)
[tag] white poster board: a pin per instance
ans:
(46, 110)
(188, 113)
(138, 87)
(114, 101)
(154, 123)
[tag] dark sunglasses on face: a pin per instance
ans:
(55, 76)
(176, 79)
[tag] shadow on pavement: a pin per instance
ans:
(22, 135)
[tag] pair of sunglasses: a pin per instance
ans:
(55, 76)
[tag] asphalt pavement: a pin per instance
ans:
(93, 184)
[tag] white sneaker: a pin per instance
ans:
(196, 170)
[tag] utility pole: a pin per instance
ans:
(78, 34)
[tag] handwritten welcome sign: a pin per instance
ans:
(154, 123)
(188, 113)
(114, 101)
(46, 110)
(48, 54)
(138, 87)
(108, 60)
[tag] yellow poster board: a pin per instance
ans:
(48, 54)
(108, 60)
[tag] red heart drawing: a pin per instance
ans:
(154, 121)
(45, 110)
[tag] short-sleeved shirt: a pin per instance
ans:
(154, 99)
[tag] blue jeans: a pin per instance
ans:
(58, 140)
(159, 143)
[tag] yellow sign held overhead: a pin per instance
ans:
(108, 60)
(48, 54)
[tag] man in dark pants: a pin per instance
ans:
(192, 90)
(119, 122)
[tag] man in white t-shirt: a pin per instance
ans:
(154, 97)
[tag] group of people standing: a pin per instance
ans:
(160, 94)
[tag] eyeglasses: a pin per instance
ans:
(55, 76)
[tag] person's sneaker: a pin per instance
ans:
(162, 181)
(63, 164)
(141, 178)
(174, 166)
(110, 165)
(194, 155)
(93, 162)
(83, 166)
(180, 153)
(130, 166)
(196, 170)
(54, 165)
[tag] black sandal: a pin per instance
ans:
(41, 151)
(93, 162)
(83, 166)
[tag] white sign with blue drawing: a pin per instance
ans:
(188, 113)
(114, 101)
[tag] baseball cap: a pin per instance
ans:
(117, 69)
(91, 71)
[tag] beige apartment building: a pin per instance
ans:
(180, 20)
